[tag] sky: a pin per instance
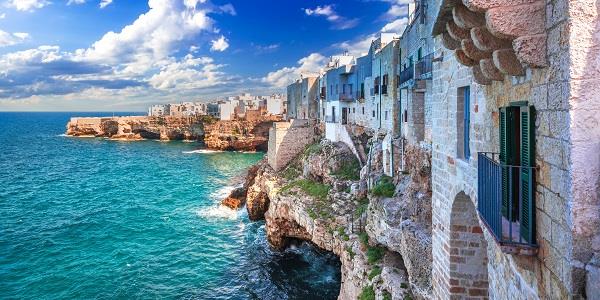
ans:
(124, 55)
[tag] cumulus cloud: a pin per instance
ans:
(10, 39)
(153, 37)
(27, 5)
(188, 73)
(75, 2)
(327, 11)
(138, 58)
(2, 16)
(283, 77)
(219, 44)
(397, 9)
(396, 26)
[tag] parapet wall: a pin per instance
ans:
(288, 139)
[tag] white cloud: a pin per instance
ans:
(399, 8)
(219, 44)
(2, 16)
(152, 37)
(188, 73)
(27, 5)
(396, 26)
(285, 76)
(329, 13)
(228, 9)
(105, 3)
(10, 39)
(76, 2)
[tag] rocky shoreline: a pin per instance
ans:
(235, 135)
(323, 197)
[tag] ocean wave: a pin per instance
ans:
(218, 211)
(222, 193)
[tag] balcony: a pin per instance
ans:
(330, 119)
(406, 75)
(346, 97)
(424, 68)
(512, 227)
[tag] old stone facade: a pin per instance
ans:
(544, 68)
(287, 140)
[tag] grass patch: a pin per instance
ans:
(314, 189)
(363, 204)
(312, 149)
(367, 293)
(384, 188)
(375, 254)
(363, 237)
(291, 172)
(349, 171)
(374, 272)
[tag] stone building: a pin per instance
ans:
(302, 98)
(515, 149)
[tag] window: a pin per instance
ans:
(363, 110)
(463, 122)
(386, 115)
(420, 53)
(337, 88)
(373, 114)
(343, 88)
(362, 90)
(350, 89)
(353, 110)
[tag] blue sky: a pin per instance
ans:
(103, 55)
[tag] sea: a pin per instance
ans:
(90, 218)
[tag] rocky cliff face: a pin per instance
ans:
(239, 135)
(138, 128)
(236, 135)
(318, 198)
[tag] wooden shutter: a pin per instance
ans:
(527, 183)
(506, 155)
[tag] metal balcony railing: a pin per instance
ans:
(407, 74)
(330, 119)
(424, 67)
(498, 183)
(346, 97)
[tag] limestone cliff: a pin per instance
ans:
(319, 198)
(235, 135)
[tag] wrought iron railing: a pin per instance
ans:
(407, 74)
(346, 97)
(424, 67)
(330, 119)
(498, 183)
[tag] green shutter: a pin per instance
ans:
(527, 174)
(507, 152)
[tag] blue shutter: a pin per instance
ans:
(467, 121)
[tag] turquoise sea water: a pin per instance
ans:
(88, 218)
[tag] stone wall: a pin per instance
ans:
(288, 139)
(566, 200)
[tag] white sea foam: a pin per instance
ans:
(63, 135)
(202, 151)
(218, 211)
(222, 193)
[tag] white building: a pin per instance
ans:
(275, 104)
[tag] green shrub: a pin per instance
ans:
(387, 295)
(291, 172)
(367, 293)
(363, 237)
(375, 254)
(342, 234)
(403, 285)
(348, 171)
(350, 252)
(374, 272)
(363, 204)
(384, 188)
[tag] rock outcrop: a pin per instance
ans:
(316, 199)
(235, 135)
(239, 135)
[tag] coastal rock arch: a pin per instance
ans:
(467, 251)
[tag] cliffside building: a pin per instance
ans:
(303, 98)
